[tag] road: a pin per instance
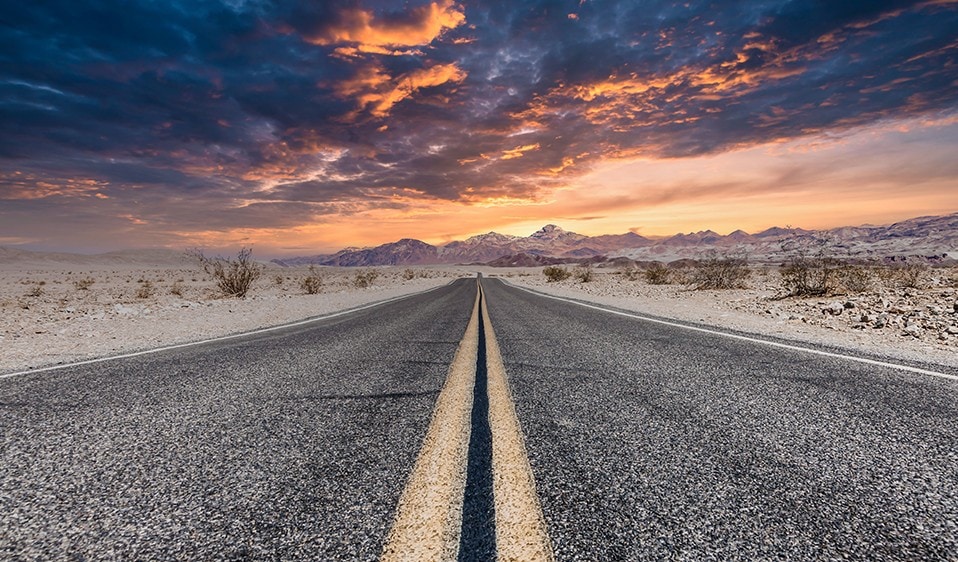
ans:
(291, 445)
(644, 442)
(656, 443)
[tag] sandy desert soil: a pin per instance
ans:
(914, 324)
(66, 309)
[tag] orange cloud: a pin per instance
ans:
(355, 52)
(19, 185)
(519, 151)
(378, 92)
(629, 101)
(421, 26)
(614, 86)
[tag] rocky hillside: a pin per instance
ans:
(934, 239)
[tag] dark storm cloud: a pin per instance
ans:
(252, 106)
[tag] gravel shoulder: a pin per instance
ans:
(915, 324)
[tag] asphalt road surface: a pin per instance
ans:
(291, 445)
(646, 442)
(656, 443)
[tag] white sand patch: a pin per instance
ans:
(57, 309)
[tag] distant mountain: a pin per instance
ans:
(934, 238)
(407, 251)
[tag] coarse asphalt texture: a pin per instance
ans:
(289, 445)
(655, 443)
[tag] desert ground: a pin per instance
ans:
(62, 308)
(59, 308)
(917, 322)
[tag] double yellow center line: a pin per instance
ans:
(428, 520)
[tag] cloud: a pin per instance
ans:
(378, 34)
(257, 107)
(374, 90)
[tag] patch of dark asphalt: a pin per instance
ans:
(205, 453)
(478, 532)
(658, 443)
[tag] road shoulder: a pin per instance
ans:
(911, 354)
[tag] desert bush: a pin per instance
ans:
(658, 274)
(366, 278)
(912, 275)
(555, 273)
(146, 290)
(409, 274)
(631, 273)
(36, 291)
(233, 277)
(721, 272)
(803, 276)
(176, 289)
(278, 280)
(855, 278)
(312, 283)
(83, 284)
(584, 274)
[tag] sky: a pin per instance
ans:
(305, 127)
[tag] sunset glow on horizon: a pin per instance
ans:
(305, 127)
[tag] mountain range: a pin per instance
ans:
(934, 238)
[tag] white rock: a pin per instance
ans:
(834, 309)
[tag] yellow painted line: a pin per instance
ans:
(521, 533)
(429, 516)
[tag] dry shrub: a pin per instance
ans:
(912, 275)
(176, 289)
(366, 278)
(233, 277)
(721, 272)
(809, 270)
(312, 283)
(36, 291)
(803, 276)
(951, 278)
(855, 278)
(584, 274)
(555, 273)
(631, 273)
(83, 284)
(658, 274)
(278, 280)
(146, 290)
